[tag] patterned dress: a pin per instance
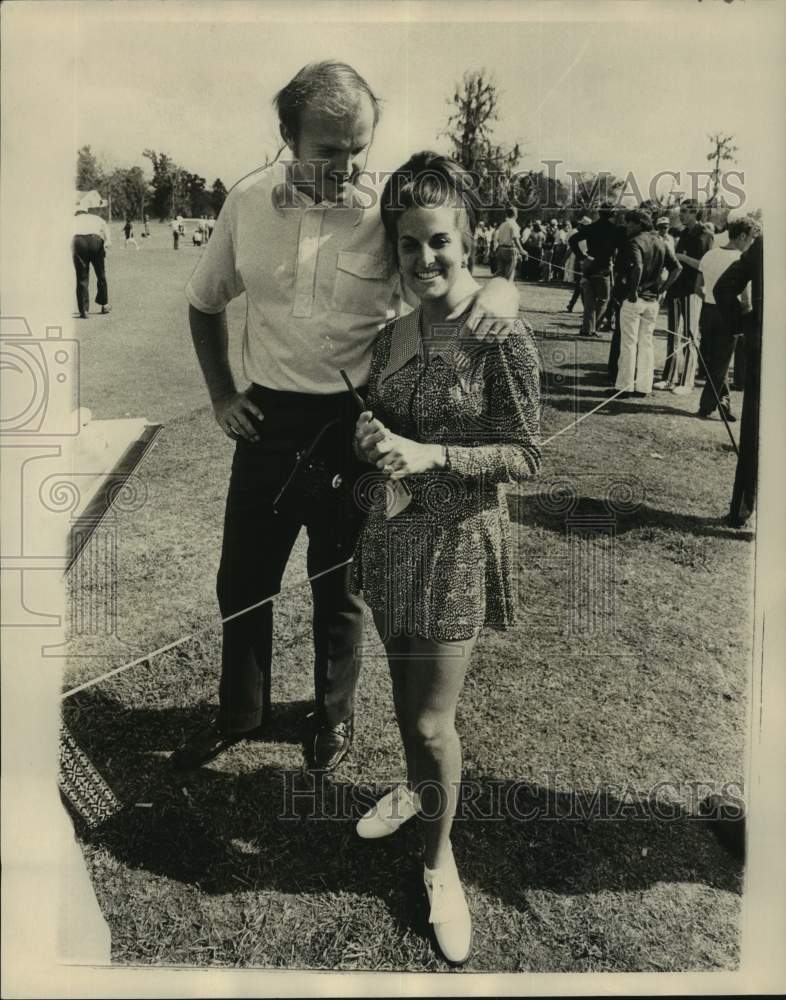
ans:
(441, 568)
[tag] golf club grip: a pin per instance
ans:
(362, 406)
(355, 394)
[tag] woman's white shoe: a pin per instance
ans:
(449, 911)
(387, 815)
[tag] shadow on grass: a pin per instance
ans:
(267, 829)
(99, 721)
(539, 509)
(567, 401)
(598, 376)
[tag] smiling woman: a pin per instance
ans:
(459, 420)
(429, 181)
(431, 253)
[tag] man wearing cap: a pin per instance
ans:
(88, 246)
(662, 230)
(304, 240)
(602, 239)
(717, 337)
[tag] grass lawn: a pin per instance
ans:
(590, 732)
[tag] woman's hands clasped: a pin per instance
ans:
(392, 454)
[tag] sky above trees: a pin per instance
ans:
(629, 88)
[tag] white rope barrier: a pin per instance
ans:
(200, 631)
(295, 587)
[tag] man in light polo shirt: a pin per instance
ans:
(304, 240)
(507, 242)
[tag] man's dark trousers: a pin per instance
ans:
(743, 500)
(257, 544)
(89, 250)
(576, 293)
(596, 290)
(717, 348)
(616, 341)
(739, 363)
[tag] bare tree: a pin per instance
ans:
(722, 151)
(470, 129)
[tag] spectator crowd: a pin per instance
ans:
(629, 266)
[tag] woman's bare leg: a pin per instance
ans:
(428, 676)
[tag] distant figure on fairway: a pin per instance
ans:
(128, 231)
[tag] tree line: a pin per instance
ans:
(499, 180)
(172, 191)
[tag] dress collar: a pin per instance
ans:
(407, 343)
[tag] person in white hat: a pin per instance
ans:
(662, 229)
(88, 247)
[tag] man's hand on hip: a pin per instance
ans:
(233, 416)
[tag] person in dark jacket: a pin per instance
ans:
(717, 339)
(749, 268)
(684, 305)
(642, 261)
(602, 239)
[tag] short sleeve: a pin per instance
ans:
(216, 280)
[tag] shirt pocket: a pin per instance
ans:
(362, 284)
